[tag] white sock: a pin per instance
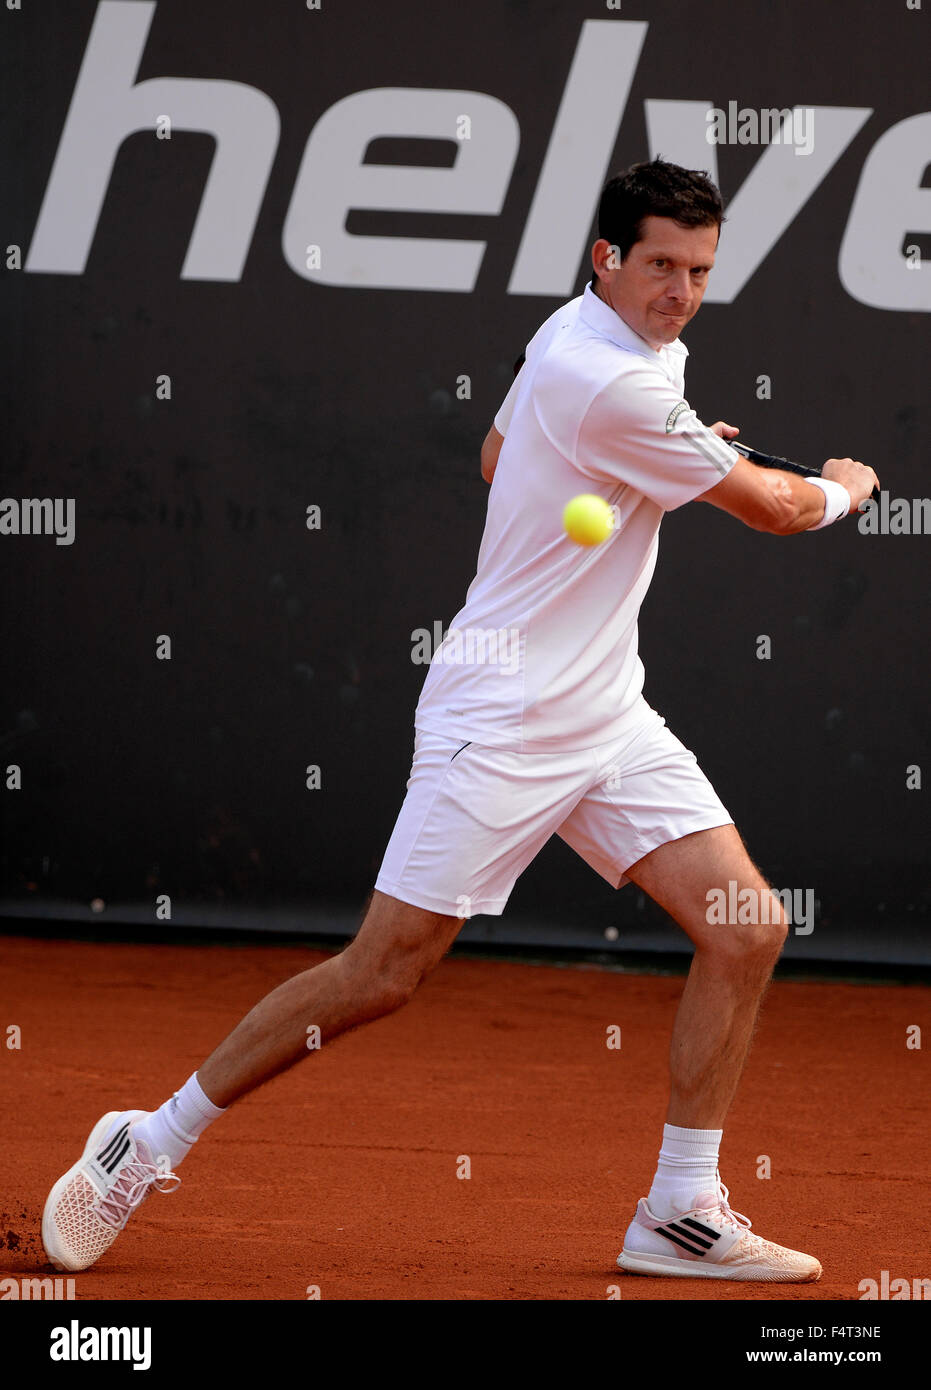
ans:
(179, 1123)
(688, 1168)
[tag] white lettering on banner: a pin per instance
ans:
(773, 193)
(333, 180)
(108, 105)
(577, 157)
(106, 108)
(890, 205)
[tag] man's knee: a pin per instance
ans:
(382, 983)
(753, 928)
(395, 949)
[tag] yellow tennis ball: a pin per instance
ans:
(588, 519)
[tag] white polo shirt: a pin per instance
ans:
(543, 654)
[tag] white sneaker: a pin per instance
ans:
(710, 1242)
(89, 1206)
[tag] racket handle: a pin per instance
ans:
(775, 461)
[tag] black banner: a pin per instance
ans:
(266, 270)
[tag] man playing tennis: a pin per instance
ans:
(531, 723)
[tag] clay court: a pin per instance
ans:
(342, 1174)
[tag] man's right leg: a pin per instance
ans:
(395, 948)
(130, 1152)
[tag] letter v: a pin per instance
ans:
(773, 193)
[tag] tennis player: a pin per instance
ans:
(532, 722)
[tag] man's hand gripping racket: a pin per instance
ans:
(774, 461)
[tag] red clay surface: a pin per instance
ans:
(343, 1172)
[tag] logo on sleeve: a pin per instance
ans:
(674, 415)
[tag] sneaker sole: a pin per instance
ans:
(95, 1139)
(669, 1266)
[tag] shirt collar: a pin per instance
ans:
(600, 316)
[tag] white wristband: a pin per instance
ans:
(837, 501)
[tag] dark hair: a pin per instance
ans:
(655, 189)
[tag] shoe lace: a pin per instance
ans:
(735, 1218)
(131, 1188)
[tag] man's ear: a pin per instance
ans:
(605, 256)
(600, 250)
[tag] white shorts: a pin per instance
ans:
(475, 817)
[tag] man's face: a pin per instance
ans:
(662, 282)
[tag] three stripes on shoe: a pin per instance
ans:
(114, 1151)
(693, 1240)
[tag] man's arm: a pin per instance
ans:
(490, 451)
(783, 503)
(494, 438)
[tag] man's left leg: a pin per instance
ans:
(686, 1227)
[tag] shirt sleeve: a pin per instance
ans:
(563, 318)
(639, 431)
(503, 417)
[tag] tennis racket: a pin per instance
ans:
(774, 461)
